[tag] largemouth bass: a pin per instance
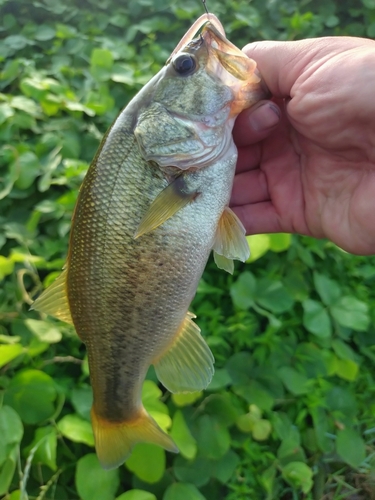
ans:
(153, 205)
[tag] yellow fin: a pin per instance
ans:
(188, 365)
(54, 300)
(114, 441)
(174, 197)
(230, 240)
(224, 263)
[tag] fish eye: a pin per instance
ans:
(184, 64)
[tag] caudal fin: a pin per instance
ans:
(114, 441)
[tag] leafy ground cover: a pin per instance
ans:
(290, 413)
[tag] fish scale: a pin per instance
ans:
(127, 280)
(152, 206)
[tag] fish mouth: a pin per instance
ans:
(225, 61)
(194, 29)
(234, 68)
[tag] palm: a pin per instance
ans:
(321, 194)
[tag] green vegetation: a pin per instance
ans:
(290, 413)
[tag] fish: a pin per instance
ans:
(152, 206)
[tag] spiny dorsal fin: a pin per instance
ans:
(54, 300)
(188, 364)
(230, 241)
(174, 197)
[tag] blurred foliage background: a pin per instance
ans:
(290, 413)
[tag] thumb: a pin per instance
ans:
(281, 64)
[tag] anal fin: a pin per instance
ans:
(188, 364)
(114, 441)
(54, 300)
(230, 241)
(172, 199)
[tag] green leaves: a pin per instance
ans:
(44, 330)
(352, 313)
(11, 430)
(213, 438)
(272, 295)
(316, 319)
(9, 352)
(347, 311)
(182, 491)
(147, 461)
(182, 436)
(298, 475)
(243, 291)
(102, 58)
(151, 400)
(196, 472)
(7, 470)
(101, 64)
(45, 443)
(136, 495)
(291, 331)
(327, 288)
(253, 422)
(350, 447)
(32, 394)
(76, 429)
(261, 243)
(94, 483)
(294, 381)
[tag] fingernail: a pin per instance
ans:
(264, 117)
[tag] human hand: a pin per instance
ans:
(313, 171)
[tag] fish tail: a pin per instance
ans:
(114, 441)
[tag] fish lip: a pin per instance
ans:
(219, 49)
(226, 60)
(213, 36)
(194, 29)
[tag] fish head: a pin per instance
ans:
(205, 84)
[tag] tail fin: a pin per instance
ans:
(115, 440)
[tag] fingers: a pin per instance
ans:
(249, 187)
(256, 123)
(252, 126)
(248, 158)
(260, 218)
(281, 63)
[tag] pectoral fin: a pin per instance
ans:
(166, 204)
(54, 300)
(188, 365)
(230, 241)
(224, 263)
